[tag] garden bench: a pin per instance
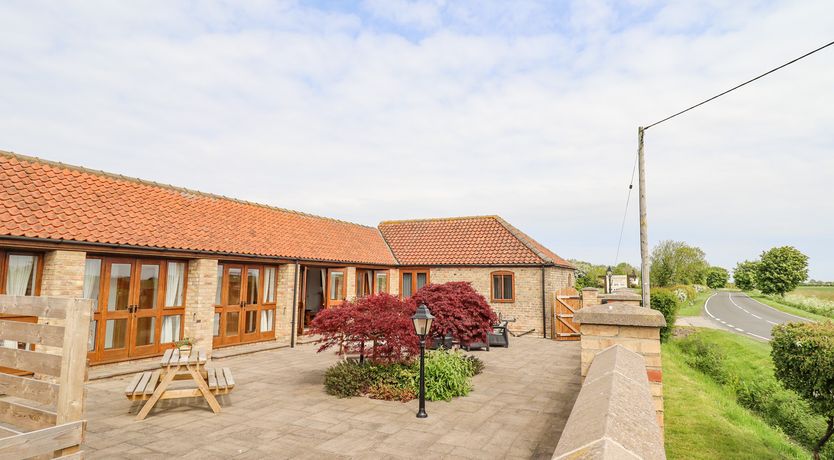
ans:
(176, 365)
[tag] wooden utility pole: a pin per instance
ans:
(644, 233)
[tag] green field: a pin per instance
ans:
(821, 292)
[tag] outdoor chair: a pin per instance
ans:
(500, 335)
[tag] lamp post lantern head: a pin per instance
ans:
(422, 321)
(609, 272)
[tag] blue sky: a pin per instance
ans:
(374, 110)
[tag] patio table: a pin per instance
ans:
(177, 365)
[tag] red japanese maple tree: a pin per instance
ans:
(458, 309)
(377, 326)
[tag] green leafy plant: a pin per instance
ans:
(186, 342)
(666, 303)
(803, 359)
(476, 365)
(705, 356)
(448, 375)
(348, 378)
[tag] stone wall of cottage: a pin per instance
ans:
(527, 307)
(284, 301)
(201, 292)
(63, 276)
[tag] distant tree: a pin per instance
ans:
(588, 274)
(625, 268)
(803, 360)
(717, 277)
(744, 275)
(780, 270)
(675, 262)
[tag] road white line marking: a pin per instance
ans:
(739, 329)
(759, 337)
(776, 309)
(771, 322)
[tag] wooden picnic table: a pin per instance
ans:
(177, 365)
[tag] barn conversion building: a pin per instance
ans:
(164, 263)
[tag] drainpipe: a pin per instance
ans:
(293, 331)
(544, 307)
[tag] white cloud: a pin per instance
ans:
(529, 112)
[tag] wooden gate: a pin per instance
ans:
(567, 302)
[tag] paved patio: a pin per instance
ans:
(279, 410)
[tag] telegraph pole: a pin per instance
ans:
(644, 233)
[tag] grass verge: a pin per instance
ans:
(704, 421)
(786, 308)
(697, 306)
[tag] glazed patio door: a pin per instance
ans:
(116, 309)
(231, 306)
(335, 286)
(144, 329)
(251, 304)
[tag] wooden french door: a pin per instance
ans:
(246, 308)
(336, 290)
(130, 306)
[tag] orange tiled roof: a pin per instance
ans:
(480, 240)
(42, 199)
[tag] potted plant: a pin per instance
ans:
(184, 345)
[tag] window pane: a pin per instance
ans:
(148, 286)
(496, 287)
(406, 285)
(217, 298)
(115, 333)
(119, 287)
(21, 275)
(233, 288)
(266, 320)
(250, 321)
(253, 291)
(269, 285)
(91, 341)
(421, 280)
(174, 284)
(92, 278)
(508, 287)
(145, 330)
(216, 324)
(171, 329)
(337, 285)
(381, 282)
(232, 323)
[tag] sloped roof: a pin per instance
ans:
(42, 199)
(478, 240)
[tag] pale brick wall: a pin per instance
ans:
(394, 282)
(284, 301)
(555, 278)
(201, 290)
(527, 307)
(350, 283)
(63, 274)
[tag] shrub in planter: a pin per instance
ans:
(458, 309)
(665, 302)
(347, 379)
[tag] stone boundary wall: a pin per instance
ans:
(614, 415)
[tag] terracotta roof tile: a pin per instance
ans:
(43, 199)
(480, 240)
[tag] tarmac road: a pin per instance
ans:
(737, 312)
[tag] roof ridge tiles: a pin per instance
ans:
(439, 219)
(98, 172)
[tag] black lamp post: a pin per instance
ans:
(608, 286)
(422, 324)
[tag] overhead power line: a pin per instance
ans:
(740, 85)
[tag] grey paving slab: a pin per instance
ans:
(279, 409)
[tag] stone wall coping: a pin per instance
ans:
(620, 314)
(614, 415)
(621, 295)
(590, 289)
